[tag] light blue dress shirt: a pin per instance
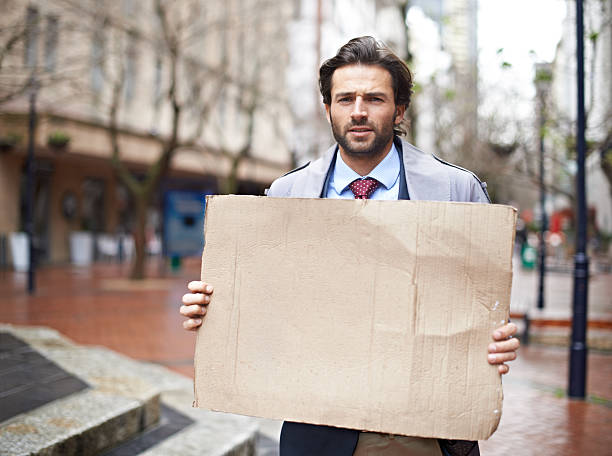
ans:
(386, 172)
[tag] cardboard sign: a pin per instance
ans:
(364, 314)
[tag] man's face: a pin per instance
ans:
(362, 113)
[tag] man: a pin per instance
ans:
(366, 90)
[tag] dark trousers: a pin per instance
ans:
(302, 439)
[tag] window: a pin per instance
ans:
(129, 8)
(97, 58)
(129, 84)
(297, 7)
(157, 81)
(92, 205)
(31, 37)
(51, 43)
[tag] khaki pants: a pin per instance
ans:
(374, 444)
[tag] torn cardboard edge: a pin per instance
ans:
(371, 315)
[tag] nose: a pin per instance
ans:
(359, 110)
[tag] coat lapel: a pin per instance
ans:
(309, 184)
(426, 178)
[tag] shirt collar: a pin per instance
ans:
(386, 172)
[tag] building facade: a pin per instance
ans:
(207, 76)
(598, 106)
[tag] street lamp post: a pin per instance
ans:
(30, 188)
(31, 57)
(578, 348)
(543, 78)
(543, 218)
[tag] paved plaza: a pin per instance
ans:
(94, 306)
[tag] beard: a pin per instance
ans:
(356, 148)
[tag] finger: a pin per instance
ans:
(499, 358)
(192, 311)
(505, 331)
(192, 324)
(198, 286)
(503, 369)
(505, 346)
(195, 298)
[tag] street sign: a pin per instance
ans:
(183, 223)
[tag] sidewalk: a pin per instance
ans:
(93, 307)
(558, 294)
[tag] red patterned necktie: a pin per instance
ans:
(363, 188)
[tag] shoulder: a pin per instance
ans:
(281, 187)
(431, 178)
(306, 181)
(465, 185)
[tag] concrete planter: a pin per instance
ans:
(20, 251)
(81, 248)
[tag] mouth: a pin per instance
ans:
(360, 131)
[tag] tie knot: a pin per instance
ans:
(363, 188)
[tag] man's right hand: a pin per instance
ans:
(194, 304)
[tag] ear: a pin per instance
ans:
(400, 110)
(327, 112)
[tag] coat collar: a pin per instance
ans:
(426, 178)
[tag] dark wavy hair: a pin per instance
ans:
(367, 50)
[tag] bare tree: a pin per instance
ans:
(196, 88)
(207, 54)
(189, 106)
(253, 99)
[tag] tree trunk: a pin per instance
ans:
(140, 241)
(230, 183)
(605, 159)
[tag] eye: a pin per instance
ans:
(344, 100)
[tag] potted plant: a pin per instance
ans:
(9, 141)
(58, 140)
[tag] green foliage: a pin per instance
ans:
(599, 400)
(417, 88)
(450, 94)
(543, 75)
(593, 36)
(571, 145)
(10, 140)
(58, 139)
(506, 65)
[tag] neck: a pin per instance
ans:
(364, 164)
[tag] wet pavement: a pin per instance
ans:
(92, 306)
(96, 306)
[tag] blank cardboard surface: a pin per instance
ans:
(372, 315)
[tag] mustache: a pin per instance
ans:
(360, 123)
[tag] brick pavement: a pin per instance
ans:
(90, 306)
(558, 294)
(537, 417)
(95, 306)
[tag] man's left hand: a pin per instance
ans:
(504, 348)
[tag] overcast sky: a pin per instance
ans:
(517, 27)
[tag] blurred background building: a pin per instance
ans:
(136, 99)
(143, 106)
(598, 106)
